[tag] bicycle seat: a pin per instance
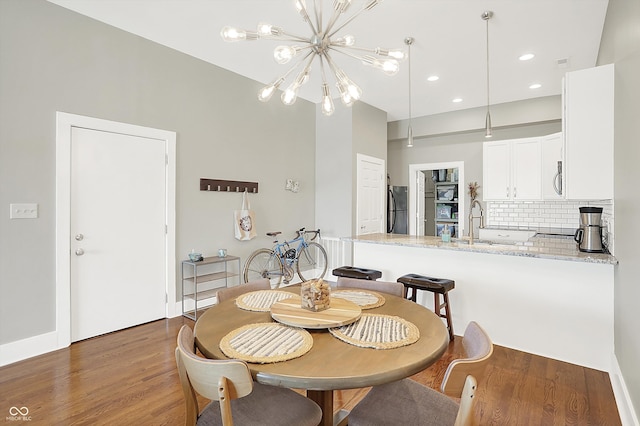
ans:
(273, 234)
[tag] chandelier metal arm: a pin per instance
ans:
(366, 7)
(302, 10)
(389, 53)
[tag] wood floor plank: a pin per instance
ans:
(130, 377)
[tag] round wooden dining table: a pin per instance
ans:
(331, 363)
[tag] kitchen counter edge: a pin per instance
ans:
(537, 247)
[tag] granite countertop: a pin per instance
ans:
(557, 247)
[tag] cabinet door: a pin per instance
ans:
(526, 169)
(496, 169)
(588, 109)
(552, 174)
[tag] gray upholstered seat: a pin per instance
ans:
(397, 289)
(235, 396)
(233, 292)
(406, 402)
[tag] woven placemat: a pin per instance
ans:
(364, 299)
(264, 343)
(261, 300)
(378, 331)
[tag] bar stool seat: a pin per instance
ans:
(356, 272)
(438, 286)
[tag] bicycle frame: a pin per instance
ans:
(283, 250)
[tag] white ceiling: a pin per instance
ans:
(449, 41)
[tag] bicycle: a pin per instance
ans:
(309, 257)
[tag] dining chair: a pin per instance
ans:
(239, 398)
(235, 291)
(397, 289)
(407, 402)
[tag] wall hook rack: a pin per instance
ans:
(228, 185)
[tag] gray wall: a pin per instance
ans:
(360, 129)
(52, 59)
(621, 45)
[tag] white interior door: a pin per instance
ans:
(118, 227)
(370, 195)
(420, 194)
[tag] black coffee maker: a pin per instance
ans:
(589, 235)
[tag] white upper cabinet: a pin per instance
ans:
(552, 167)
(512, 170)
(588, 133)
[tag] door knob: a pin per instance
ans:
(79, 237)
(79, 252)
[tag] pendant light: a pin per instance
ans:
(488, 131)
(409, 41)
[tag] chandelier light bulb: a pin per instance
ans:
(264, 30)
(267, 91)
(236, 34)
(347, 40)
(284, 54)
(290, 95)
(327, 102)
(346, 99)
(387, 66)
(265, 94)
(397, 54)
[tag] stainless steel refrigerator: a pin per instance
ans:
(397, 218)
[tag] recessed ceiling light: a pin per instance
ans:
(535, 86)
(456, 100)
(433, 78)
(527, 56)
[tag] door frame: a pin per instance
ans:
(360, 158)
(413, 206)
(64, 123)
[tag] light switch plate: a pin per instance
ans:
(289, 184)
(23, 211)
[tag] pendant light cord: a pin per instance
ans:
(487, 21)
(410, 115)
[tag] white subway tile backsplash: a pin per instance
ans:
(541, 214)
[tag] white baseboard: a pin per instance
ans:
(29, 347)
(43, 343)
(628, 416)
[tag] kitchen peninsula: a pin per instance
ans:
(541, 296)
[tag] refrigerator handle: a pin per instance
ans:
(392, 212)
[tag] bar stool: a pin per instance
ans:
(438, 286)
(356, 272)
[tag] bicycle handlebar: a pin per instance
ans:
(302, 231)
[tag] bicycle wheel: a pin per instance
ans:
(312, 262)
(263, 263)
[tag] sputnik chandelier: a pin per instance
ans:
(322, 44)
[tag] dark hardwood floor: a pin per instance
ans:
(129, 377)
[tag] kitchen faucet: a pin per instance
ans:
(475, 202)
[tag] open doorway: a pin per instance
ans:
(436, 198)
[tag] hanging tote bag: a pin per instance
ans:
(245, 223)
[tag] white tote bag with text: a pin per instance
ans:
(245, 224)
